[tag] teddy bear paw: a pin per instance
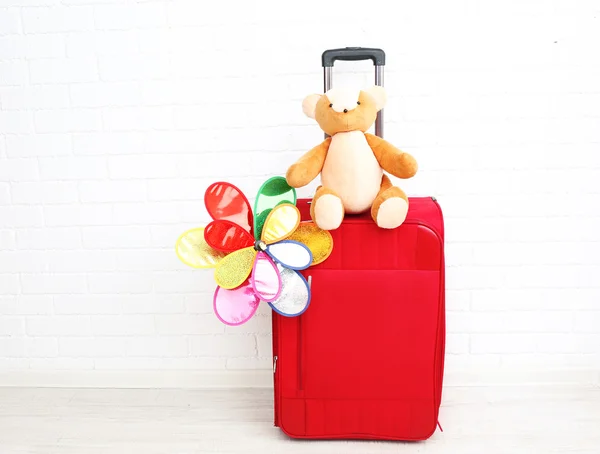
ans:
(329, 212)
(392, 213)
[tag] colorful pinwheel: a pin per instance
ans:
(257, 254)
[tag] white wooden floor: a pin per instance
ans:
(528, 420)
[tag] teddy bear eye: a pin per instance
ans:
(330, 105)
(358, 102)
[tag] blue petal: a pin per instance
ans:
(291, 254)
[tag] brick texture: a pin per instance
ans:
(115, 116)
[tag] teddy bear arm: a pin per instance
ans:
(391, 159)
(308, 167)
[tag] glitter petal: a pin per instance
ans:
(224, 201)
(265, 278)
(227, 236)
(280, 223)
(273, 192)
(192, 249)
(320, 242)
(291, 254)
(234, 269)
(295, 294)
(237, 306)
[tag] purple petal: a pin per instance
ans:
(265, 278)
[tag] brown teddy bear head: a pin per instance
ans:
(343, 109)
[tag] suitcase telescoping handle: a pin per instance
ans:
(329, 57)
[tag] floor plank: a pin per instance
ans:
(526, 420)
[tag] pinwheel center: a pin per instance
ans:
(260, 245)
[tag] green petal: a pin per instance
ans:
(273, 192)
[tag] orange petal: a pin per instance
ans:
(320, 242)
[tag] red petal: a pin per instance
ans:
(224, 201)
(226, 236)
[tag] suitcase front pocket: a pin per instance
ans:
(369, 334)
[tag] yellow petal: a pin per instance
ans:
(234, 269)
(281, 223)
(192, 249)
(320, 242)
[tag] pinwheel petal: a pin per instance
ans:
(193, 250)
(291, 254)
(273, 192)
(227, 236)
(295, 294)
(259, 222)
(265, 278)
(233, 270)
(320, 242)
(226, 202)
(280, 223)
(237, 306)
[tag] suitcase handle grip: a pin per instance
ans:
(329, 57)
(354, 54)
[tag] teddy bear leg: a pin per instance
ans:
(326, 209)
(390, 206)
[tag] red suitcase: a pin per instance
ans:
(366, 359)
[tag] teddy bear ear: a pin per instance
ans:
(379, 95)
(309, 105)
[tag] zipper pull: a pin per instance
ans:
(274, 364)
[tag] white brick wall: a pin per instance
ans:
(116, 115)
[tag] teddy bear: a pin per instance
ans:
(351, 161)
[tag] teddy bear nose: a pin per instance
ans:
(345, 110)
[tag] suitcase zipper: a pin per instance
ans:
(425, 224)
(300, 344)
(276, 384)
(300, 353)
(439, 349)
